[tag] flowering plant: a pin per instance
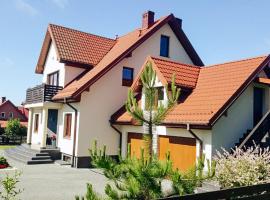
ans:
(243, 167)
(53, 137)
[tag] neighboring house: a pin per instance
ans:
(86, 78)
(9, 111)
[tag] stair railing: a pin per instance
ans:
(259, 130)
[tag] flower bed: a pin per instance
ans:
(3, 163)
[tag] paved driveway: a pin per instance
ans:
(52, 181)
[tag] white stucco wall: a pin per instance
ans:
(71, 73)
(229, 129)
(107, 95)
(66, 144)
(52, 64)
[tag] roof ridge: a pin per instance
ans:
(235, 61)
(176, 62)
(142, 29)
(72, 29)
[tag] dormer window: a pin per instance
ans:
(160, 92)
(127, 76)
(53, 78)
(164, 46)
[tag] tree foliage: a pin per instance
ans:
(141, 178)
(14, 128)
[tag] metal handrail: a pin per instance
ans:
(258, 126)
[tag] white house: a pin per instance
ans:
(85, 79)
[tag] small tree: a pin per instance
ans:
(8, 185)
(152, 115)
(15, 128)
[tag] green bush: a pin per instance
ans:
(3, 161)
(14, 128)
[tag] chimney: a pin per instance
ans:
(148, 19)
(3, 99)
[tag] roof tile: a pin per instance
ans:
(215, 86)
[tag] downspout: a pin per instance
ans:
(120, 134)
(75, 132)
(197, 138)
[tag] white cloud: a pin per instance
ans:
(26, 7)
(6, 62)
(60, 3)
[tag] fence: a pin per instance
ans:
(255, 192)
(12, 140)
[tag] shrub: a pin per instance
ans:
(141, 178)
(3, 162)
(8, 187)
(90, 194)
(246, 167)
(14, 128)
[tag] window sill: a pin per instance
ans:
(127, 83)
(164, 56)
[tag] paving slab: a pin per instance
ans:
(52, 181)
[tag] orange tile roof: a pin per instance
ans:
(3, 123)
(80, 47)
(216, 87)
(185, 75)
(122, 45)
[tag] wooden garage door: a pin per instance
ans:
(182, 151)
(136, 144)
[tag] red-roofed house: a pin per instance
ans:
(9, 111)
(86, 78)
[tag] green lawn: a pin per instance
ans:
(3, 147)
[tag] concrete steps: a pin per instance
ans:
(25, 154)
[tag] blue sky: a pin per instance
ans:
(220, 31)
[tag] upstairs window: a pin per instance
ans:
(3, 115)
(10, 115)
(67, 130)
(127, 76)
(53, 78)
(164, 45)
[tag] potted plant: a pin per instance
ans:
(53, 139)
(3, 163)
